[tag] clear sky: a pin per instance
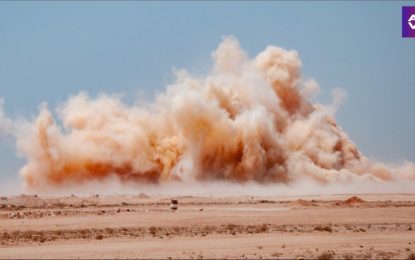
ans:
(50, 50)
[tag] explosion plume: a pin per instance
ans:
(248, 120)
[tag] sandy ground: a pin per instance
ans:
(321, 227)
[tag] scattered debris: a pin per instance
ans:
(276, 254)
(327, 255)
(267, 201)
(152, 230)
(354, 200)
(323, 228)
(347, 256)
(304, 203)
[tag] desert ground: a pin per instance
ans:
(357, 226)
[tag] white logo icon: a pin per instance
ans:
(412, 24)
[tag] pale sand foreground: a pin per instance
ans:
(325, 227)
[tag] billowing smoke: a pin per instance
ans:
(247, 120)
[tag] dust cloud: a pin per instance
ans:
(248, 121)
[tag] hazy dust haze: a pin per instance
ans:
(248, 120)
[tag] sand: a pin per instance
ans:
(371, 226)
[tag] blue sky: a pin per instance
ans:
(51, 50)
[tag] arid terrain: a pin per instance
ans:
(138, 226)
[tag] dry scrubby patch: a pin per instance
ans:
(34, 214)
(161, 232)
(29, 203)
(16, 237)
(368, 253)
(326, 228)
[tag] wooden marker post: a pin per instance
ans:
(173, 204)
